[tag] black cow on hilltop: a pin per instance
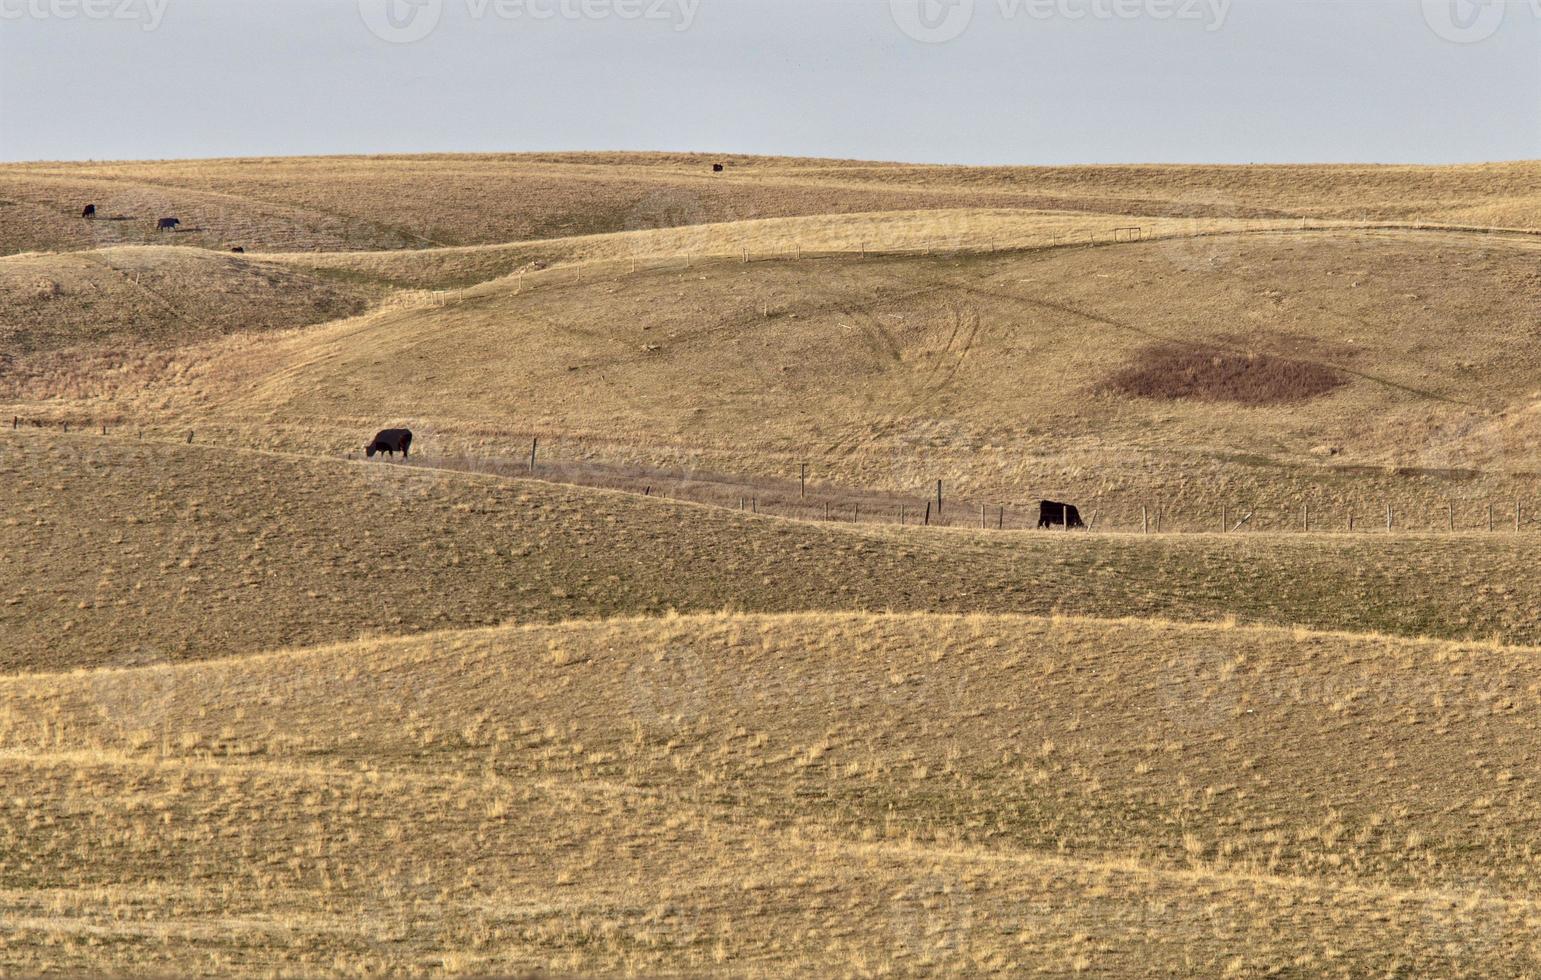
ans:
(391, 442)
(1053, 514)
(167, 224)
(89, 211)
(717, 168)
(239, 250)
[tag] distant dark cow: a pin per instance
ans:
(1051, 514)
(391, 442)
(716, 168)
(166, 224)
(239, 249)
(89, 211)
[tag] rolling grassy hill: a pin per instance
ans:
(1337, 370)
(430, 201)
(120, 552)
(269, 708)
(905, 795)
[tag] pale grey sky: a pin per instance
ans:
(971, 81)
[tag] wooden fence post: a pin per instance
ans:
(1350, 520)
(901, 515)
(1305, 518)
(1516, 515)
(928, 513)
(805, 481)
(1449, 516)
(826, 510)
(981, 517)
(534, 445)
(938, 499)
(1490, 518)
(1144, 520)
(1225, 513)
(189, 437)
(1000, 523)
(1388, 517)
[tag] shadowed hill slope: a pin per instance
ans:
(157, 296)
(425, 201)
(116, 552)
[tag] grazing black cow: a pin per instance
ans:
(167, 224)
(391, 441)
(1052, 514)
(89, 211)
(716, 168)
(239, 249)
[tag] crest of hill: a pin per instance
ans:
(999, 373)
(334, 203)
(118, 551)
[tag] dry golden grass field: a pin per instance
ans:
(655, 706)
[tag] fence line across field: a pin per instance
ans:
(798, 498)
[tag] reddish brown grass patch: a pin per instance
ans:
(1172, 371)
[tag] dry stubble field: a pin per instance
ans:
(270, 708)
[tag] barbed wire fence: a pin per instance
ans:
(803, 496)
(1107, 513)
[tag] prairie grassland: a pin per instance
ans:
(67, 320)
(372, 203)
(656, 244)
(158, 295)
(810, 794)
(270, 709)
(424, 201)
(119, 552)
(998, 374)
